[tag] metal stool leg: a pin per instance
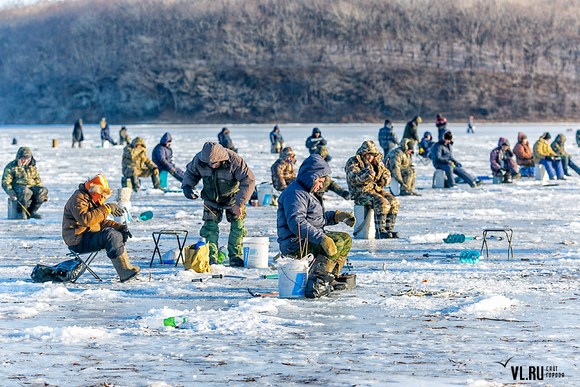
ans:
(86, 264)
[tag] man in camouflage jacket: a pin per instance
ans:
(283, 171)
(22, 183)
(367, 176)
(136, 164)
(228, 184)
(412, 130)
(401, 167)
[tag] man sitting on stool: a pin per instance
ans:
(367, 176)
(85, 227)
(136, 164)
(442, 156)
(301, 219)
(400, 164)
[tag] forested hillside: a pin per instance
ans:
(289, 61)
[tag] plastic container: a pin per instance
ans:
(174, 321)
(256, 252)
(13, 210)
(265, 192)
(124, 202)
(292, 277)
(365, 222)
(199, 243)
(163, 179)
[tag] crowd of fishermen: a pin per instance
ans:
(229, 183)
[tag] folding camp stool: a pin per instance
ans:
(86, 263)
(180, 244)
(509, 233)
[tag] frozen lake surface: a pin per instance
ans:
(412, 320)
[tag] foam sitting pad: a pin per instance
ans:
(364, 227)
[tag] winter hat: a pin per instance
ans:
(418, 119)
(316, 130)
(547, 136)
(24, 152)
(138, 141)
(448, 135)
(98, 188)
(322, 151)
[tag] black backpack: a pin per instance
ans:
(67, 271)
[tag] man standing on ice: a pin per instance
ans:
(21, 182)
(228, 184)
(300, 221)
(85, 226)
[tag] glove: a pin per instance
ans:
(126, 233)
(458, 165)
(115, 210)
(346, 195)
(346, 217)
(188, 192)
(238, 210)
(329, 246)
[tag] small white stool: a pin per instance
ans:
(364, 227)
(541, 174)
(395, 187)
(439, 178)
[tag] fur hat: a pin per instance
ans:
(98, 188)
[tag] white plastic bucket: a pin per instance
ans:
(124, 201)
(265, 192)
(256, 252)
(292, 277)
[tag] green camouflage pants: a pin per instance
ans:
(383, 203)
(408, 175)
(343, 243)
(212, 216)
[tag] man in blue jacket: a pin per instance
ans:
(163, 157)
(301, 220)
(442, 157)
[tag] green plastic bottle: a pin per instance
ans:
(174, 321)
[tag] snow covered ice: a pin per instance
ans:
(412, 320)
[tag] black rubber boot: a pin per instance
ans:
(319, 278)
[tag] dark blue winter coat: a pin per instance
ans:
(426, 145)
(442, 154)
(298, 207)
(162, 155)
(106, 135)
(225, 140)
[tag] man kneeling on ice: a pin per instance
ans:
(85, 226)
(301, 218)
